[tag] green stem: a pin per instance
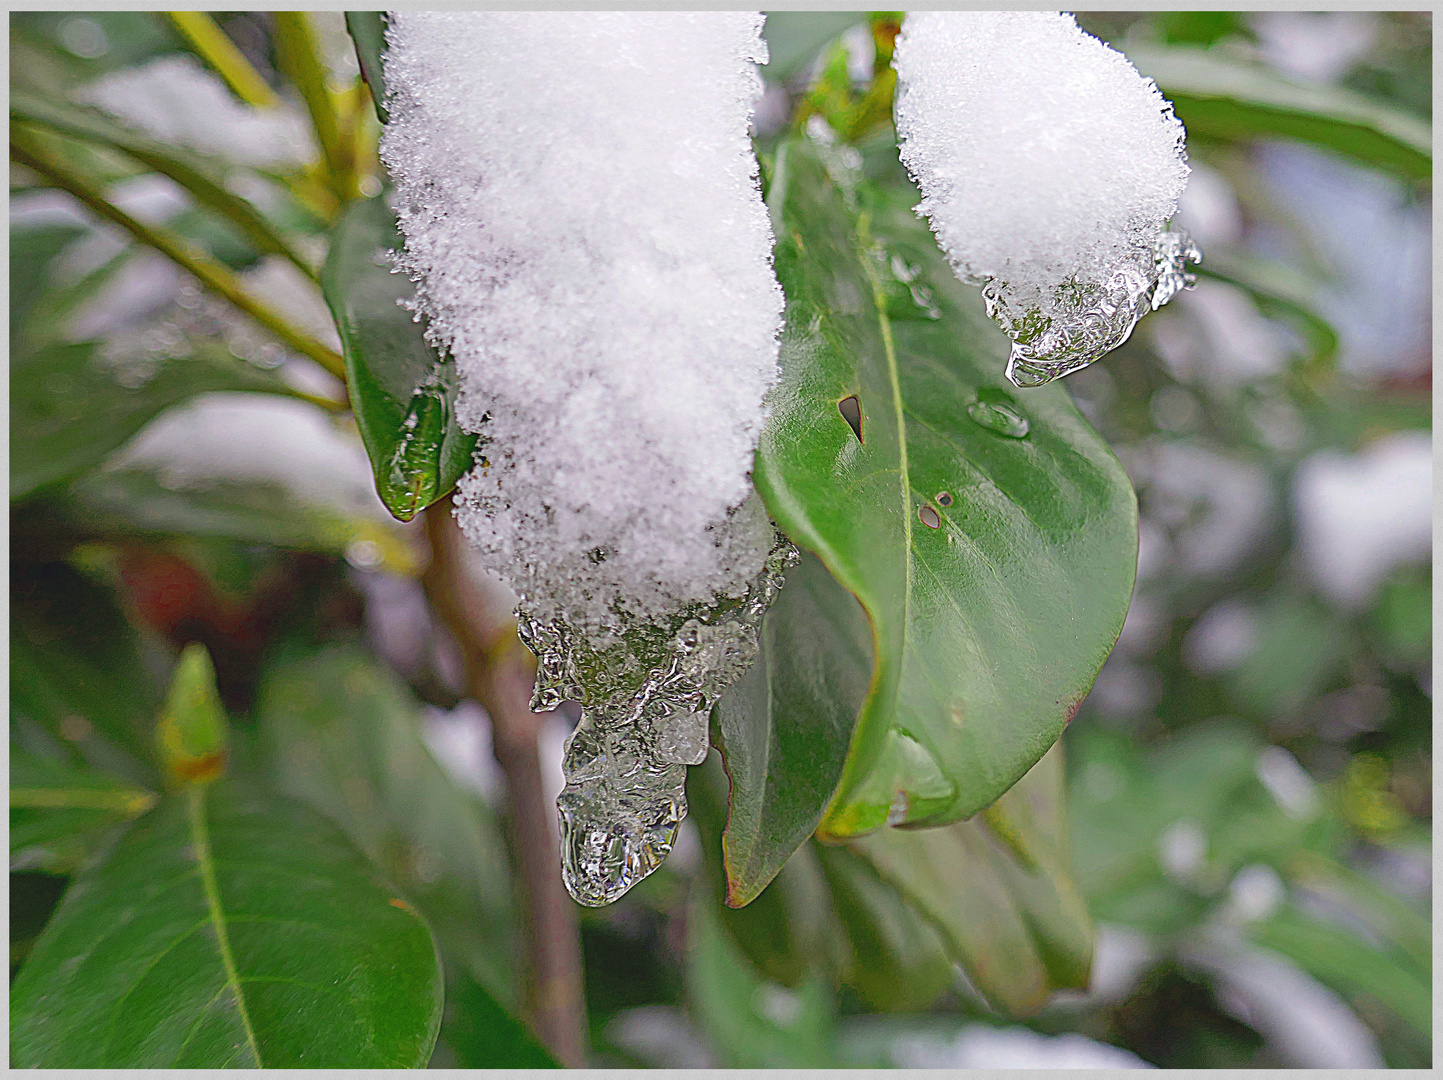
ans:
(27, 150)
(298, 55)
(200, 842)
(207, 190)
(210, 41)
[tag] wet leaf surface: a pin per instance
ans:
(988, 629)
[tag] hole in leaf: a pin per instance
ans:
(929, 516)
(851, 410)
(944, 499)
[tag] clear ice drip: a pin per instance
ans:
(1089, 320)
(646, 694)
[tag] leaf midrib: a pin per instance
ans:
(879, 305)
(205, 863)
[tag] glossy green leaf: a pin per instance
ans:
(68, 413)
(793, 931)
(81, 688)
(783, 728)
(368, 31)
(229, 929)
(1007, 910)
(137, 502)
(208, 180)
(341, 735)
(996, 571)
(60, 813)
(789, 931)
(402, 392)
(1223, 98)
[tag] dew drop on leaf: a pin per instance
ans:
(1000, 417)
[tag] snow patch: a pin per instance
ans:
(578, 195)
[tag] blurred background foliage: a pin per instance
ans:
(1249, 784)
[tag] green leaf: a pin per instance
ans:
(1223, 98)
(140, 502)
(228, 929)
(996, 571)
(1338, 958)
(192, 732)
(61, 813)
(783, 728)
(1279, 289)
(751, 1024)
(68, 414)
(32, 251)
(789, 932)
(207, 179)
(898, 961)
(341, 735)
(402, 392)
(481, 1034)
(81, 689)
(1007, 910)
(368, 31)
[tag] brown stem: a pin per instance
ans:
(499, 673)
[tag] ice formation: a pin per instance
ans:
(1048, 168)
(578, 196)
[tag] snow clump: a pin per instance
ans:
(579, 200)
(1048, 168)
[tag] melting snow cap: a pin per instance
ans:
(1042, 154)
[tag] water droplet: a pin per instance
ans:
(907, 297)
(930, 517)
(944, 498)
(646, 695)
(997, 415)
(851, 410)
(414, 478)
